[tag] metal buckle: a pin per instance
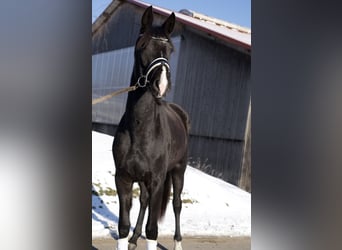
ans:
(142, 85)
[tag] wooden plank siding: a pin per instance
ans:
(246, 172)
(216, 156)
(213, 85)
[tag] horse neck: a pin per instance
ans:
(140, 103)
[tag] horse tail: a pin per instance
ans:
(166, 195)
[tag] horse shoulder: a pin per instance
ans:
(122, 140)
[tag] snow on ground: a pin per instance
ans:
(211, 206)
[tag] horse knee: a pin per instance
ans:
(177, 205)
(143, 196)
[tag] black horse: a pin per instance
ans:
(150, 145)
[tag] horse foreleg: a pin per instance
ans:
(155, 202)
(177, 182)
(140, 220)
(124, 190)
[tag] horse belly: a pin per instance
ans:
(179, 133)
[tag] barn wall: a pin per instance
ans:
(216, 156)
(111, 71)
(122, 29)
(213, 86)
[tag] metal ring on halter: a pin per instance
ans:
(144, 83)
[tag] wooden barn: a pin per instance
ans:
(210, 74)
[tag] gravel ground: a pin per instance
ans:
(188, 243)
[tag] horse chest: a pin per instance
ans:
(141, 162)
(144, 151)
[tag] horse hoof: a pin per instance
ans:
(132, 246)
(177, 245)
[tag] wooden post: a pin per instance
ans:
(245, 177)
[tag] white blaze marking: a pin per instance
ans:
(163, 81)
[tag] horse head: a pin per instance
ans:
(152, 52)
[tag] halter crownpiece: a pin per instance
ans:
(157, 38)
(160, 38)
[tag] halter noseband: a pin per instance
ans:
(160, 61)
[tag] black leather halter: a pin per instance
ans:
(158, 62)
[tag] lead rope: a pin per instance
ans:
(118, 92)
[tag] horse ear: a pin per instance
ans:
(146, 20)
(169, 24)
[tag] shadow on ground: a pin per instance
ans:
(99, 207)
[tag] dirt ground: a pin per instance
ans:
(188, 243)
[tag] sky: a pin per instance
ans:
(234, 11)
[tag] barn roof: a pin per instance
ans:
(225, 31)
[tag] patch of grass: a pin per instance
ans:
(136, 192)
(108, 191)
(97, 185)
(204, 166)
(110, 172)
(189, 201)
(93, 192)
